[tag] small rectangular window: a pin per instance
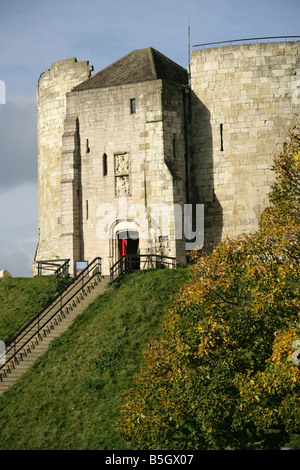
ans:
(132, 106)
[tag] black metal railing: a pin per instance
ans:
(33, 328)
(230, 41)
(53, 267)
(132, 263)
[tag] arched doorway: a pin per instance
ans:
(128, 245)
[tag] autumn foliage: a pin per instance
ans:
(222, 375)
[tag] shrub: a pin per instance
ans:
(222, 376)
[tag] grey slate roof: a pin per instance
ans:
(137, 66)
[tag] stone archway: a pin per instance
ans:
(124, 238)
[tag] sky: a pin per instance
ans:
(36, 33)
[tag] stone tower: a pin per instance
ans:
(53, 85)
(244, 99)
(141, 134)
(119, 139)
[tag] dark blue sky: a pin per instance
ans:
(36, 33)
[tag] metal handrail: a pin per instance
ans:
(56, 305)
(63, 270)
(132, 263)
(58, 267)
(243, 40)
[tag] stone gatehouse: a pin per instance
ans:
(122, 153)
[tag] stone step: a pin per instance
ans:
(59, 325)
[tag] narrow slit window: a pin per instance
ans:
(87, 146)
(87, 209)
(174, 146)
(221, 137)
(132, 106)
(104, 162)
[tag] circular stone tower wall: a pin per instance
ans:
(244, 100)
(51, 112)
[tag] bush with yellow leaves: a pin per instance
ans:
(222, 374)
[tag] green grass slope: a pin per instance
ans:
(70, 398)
(21, 298)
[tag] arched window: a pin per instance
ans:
(104, 163)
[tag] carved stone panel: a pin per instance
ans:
(122, 164)
(122, 174)
(122, 185)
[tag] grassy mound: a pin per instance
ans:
(21, 298)
(70, 398)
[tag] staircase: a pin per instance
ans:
(34, 337)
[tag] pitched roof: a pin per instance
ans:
(137, 66)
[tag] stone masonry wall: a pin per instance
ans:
(121, 161)
(51, 112)
(102, 147)
(244, 99)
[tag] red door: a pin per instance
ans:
(128, 245)
(122, 246)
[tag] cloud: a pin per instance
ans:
(18, 207)
(34, 34)
(16, 259)
(18, 137)
(18, 229)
